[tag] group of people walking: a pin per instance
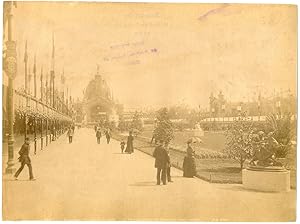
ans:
(161, 154)
(107, 134)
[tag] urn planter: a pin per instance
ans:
(268, 179)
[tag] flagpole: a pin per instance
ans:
(26, 90)
(34, 76)
(35, 96)
(42, 140)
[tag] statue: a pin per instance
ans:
(198, 132)
(264, 147)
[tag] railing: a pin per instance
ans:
(250, 118)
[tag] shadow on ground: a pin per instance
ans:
(144, 184)
(240, 188)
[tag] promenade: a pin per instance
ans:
(87, 181)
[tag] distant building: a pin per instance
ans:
(282, 103)
(98, 103)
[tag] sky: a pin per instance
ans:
(162, 54)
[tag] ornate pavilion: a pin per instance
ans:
(98, 102)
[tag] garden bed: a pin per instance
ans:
(214, 170)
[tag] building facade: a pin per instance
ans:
(98, 103)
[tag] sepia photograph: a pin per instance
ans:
(119, 111)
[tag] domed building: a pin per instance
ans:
(98, 102)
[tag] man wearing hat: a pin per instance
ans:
(98, 135)
(24, 159)
(161, 161)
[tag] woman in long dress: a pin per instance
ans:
(129, 145)
(189, 164)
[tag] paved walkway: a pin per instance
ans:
(86, 181)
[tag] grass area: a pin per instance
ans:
(211, 140)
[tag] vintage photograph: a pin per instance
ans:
(149, 111)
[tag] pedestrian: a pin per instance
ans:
(70, 134)
(107, 135)
(98, 135)
(161, 159)
(167, 148)
(95, 128)
(122, 146)
(24, 159)
(129, 146)
(189, 164)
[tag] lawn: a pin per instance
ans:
(212, 142)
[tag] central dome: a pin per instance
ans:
(98, 88)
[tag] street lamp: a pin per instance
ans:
(10, 68)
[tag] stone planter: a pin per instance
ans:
(270, 179)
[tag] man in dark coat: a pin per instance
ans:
(168, 163)
(161, 161)
(70, 134)
(98, 135)
(24, 159)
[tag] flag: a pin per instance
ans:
(63, 79)
(34, 65)
(53, 53)
(29, 75)
(25, 54)
(41, 77)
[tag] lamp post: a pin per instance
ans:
(10, 68)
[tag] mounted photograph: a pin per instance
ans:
(149, 111)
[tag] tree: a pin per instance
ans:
(122, 124)
(239, 140)
(164, 129)
(137, 122)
